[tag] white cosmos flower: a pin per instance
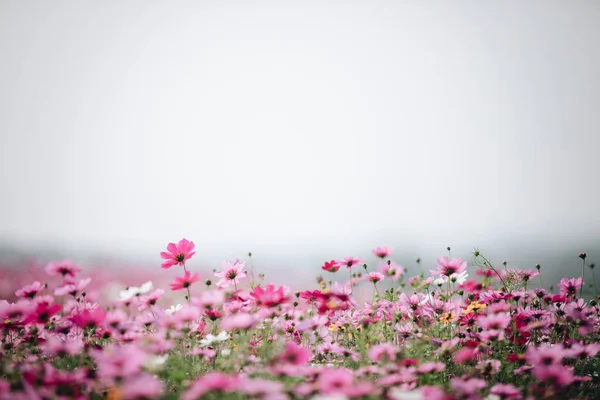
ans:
(153, 362)
(439, 281)
(133, 291)
(459, 279)
(399, 394)
(173, 309)
(209, 339)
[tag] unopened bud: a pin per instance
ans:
(582, 256)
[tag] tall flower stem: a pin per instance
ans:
(189, 295)
(582, 279)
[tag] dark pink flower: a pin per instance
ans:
(269, 296)
(185, 281)
(87, 318)
(231, 273)
(177, 254)
(349, 262)
(295, 354)
(331, 266)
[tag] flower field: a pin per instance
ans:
(365, 329)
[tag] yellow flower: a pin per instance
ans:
(474, 307)
(113, 393)
(333, 328)
(447, 318)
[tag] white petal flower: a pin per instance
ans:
(173, 309)
(459, 279)
(439, 281)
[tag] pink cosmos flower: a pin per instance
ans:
(545, 355)
(63, 268)
(150, 300)
(375, 277)
(142, 386)
(349, 262)
(231, 274)
(269, 296)
(87, 318)
(495, 321)
(262, 389)
(569, 287)
(331, 266)
(559, 375)
(508, 392)
(72, 288)
(383, 352)
(211, 382)
(447, 267)
(238, 321)
(185, 281)
(392, 270)
(209, 299)
(295, 354)
(29, 291)
(177, 254)
(430, 367)
(42, 313)
(58, 346)
(467, 386)
(382, 252)
(334, 380)
(116, 360)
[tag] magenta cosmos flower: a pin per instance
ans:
(231, 274)
(349, 262)
(177, 254)
(185, 281)
(447, 267)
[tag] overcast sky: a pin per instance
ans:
(303, 130)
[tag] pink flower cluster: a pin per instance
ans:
(372, 333)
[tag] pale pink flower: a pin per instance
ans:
(382, 252)
(447, 267)
(150, 300)
(391, 270)
(142, 386)
(72, 288)
(569, 287)
(63, 268)
(29, 291)
(375, 277)
(231, 274)
(507, 392)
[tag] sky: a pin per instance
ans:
(300, 131)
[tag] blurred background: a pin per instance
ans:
(300, 132)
